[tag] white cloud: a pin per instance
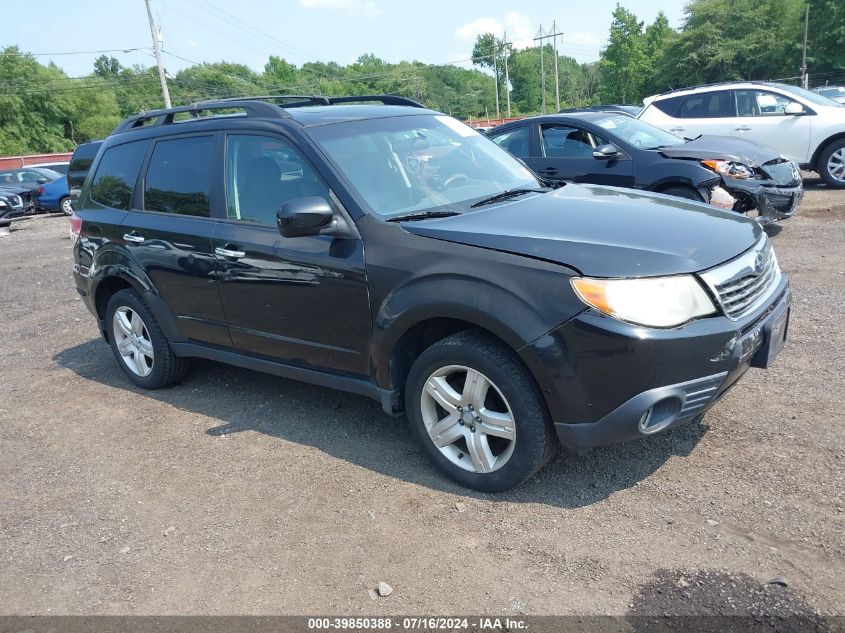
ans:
(517, 26)
(368, 8)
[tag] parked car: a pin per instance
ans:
(837, 93)
(630, 110)
(11, 207)
(54, 196)
(803, 126)
(25, 194)
(49, 187)
(79, 165)
(611, 148)
(28, 177)
(412, 260)
(60, 167)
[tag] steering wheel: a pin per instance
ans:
(455, 178)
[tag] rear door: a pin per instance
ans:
(169, 230)
(565, 152)
(300, 300)
(708, 112)
(761, 117)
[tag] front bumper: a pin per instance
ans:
(606, 381)
(775, 198)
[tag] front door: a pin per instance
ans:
(299, 300)
(565, 152)
(761, 118)
(169, 234)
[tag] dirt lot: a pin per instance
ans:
(238, 492)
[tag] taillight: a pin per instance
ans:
(75, 227)
(40, 190)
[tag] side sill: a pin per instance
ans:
(350, 384)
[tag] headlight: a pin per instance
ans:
(650, 301)
(729, 168)
(3, 203)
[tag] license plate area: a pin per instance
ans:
(774, 337)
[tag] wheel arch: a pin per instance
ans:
(823, 146)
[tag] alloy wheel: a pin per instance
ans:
(133, 341)
(836, 165)
(67, 206)
(468, 419)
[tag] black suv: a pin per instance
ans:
(392, 251)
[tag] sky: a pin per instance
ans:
(249, 31)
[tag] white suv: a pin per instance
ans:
(803, 126)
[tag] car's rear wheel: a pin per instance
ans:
(478, 413)
(65, 206)
(139, 344)
(831, 165)
(683, 192)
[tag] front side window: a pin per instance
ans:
(262, 173)
(567, 141)
(179, 176)
(419, 163)
(761, 103)
(515, 141)
(706, 105)
(116, 174)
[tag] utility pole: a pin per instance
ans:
(157, 48)
(496, 73)
(554, 35)
(542, 68)
(507, 75)
(805, 80)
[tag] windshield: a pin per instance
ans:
(419, 163)
(812, 97)
(637, 133)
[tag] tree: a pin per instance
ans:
(658, 35)
(826, 36)
(623, 62)
(107, 67)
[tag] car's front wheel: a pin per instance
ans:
(65, 206)
(478, 413)
(832, 165)
(139, 344)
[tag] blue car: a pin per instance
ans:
(53, 196)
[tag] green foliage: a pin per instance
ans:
(624, 63)
(826, 36)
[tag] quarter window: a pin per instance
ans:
(707, 105)
(515, 141)
(179, 176)
(117, 172)
(262, 173)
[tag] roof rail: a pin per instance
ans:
(165, 115)
(260, 107)
(711, 85)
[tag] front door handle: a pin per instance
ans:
(225, 251)
(743, 128)
(549, 171)
(133, 237)
(676, 129)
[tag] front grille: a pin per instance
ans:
(782, 203)
(745, 283)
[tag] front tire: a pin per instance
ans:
(65, 206)
(478, 413)
(139, 344)
(831, 165)
(687, 193)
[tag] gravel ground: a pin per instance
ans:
(237, 492)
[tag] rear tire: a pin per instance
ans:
(65, 206)
(831, 165)
(680, 191)
(139, 344)
(473, 397)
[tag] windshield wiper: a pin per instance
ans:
(422, 215)
(505, 195)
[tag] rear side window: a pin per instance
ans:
(515, 141)
(707, 105)
(117, 172)
(83, 156)
(179, 176)
(669, 106)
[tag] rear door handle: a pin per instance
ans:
(133, 237)
(225, 251)
(742, 128)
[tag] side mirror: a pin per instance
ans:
(605, 152)
(304, 216)
(42, 181)
(794, 108)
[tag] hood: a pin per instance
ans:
(738, 150)
(603, 231)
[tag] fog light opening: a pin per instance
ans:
(660, 415)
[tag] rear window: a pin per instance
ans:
(117, 172)
(179, 176)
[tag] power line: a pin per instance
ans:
(108, 50)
